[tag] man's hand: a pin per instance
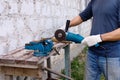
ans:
(91, 40)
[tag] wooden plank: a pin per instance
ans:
(11, 58)
(16, 55)
(13, 51)
(21, 59)
(34, 60)
(19, 54)
(20, 65)
(9, 61)
(21, 71)
(24, 63)
(16, 50)
(26, 56)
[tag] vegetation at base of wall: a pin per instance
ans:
(78, 66)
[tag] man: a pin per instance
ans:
(106, 31)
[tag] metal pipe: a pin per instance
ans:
(67, 61)
(51, 71)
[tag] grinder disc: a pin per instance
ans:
(60, 35)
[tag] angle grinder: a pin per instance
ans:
(64, 35)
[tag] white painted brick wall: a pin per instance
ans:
(22, 21)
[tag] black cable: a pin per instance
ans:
(106, 78)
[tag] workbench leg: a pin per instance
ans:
(67, 61)
(49, 66)
(18, 78)
(8, 77)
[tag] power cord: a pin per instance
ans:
(106, 78)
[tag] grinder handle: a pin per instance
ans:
(67, 25)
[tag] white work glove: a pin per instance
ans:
(92, 40)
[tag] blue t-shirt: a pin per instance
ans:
(106, 18)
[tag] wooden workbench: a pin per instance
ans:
(21, 62)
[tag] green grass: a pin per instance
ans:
(78, 67)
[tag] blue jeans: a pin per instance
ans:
(96, 65)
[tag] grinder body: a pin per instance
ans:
(74, 37)
(64, 35)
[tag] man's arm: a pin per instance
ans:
(111, 36)
(83, 16)
(76, 21)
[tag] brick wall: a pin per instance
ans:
(22, 21)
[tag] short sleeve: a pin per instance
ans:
(87, 13)
(119, 14)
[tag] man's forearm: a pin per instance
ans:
(111, 36)
(76, 21)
